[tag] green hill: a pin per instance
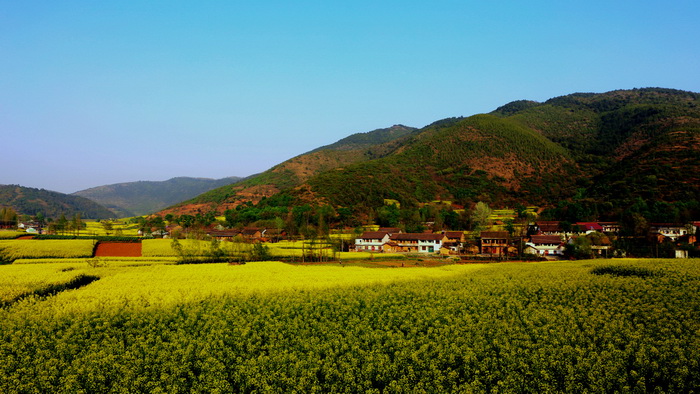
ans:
(294, 172)
(30, 201)
(630, 145)
(584, 155)
(482, 157)
(144, 197)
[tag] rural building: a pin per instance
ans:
(545, 245)
(545, 227)
(453, 241)
(414, 243)
(589, 227)
(253, 233)
(371, 241)
(494, 242)
(224, 235)
(670, 230)
(610, 227)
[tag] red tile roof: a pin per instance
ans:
(546, 239)
(373, 235)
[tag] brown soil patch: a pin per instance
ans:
(26, 237)
(118, 249)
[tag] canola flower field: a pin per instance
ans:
(30, 248)
(282, 249)
(584, 326)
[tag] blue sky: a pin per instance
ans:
(94, 93)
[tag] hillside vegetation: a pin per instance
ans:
(31, 201)
(144, 197)
(293, 172)
(481, 157)
(585, 155)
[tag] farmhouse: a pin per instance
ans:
(670, 230)
(610, 227)
(414, 243)
(494, 242)
(223, 235)
(453, 240)
(371, 241)
(253, 233)
(545, 245)
(589, 227)
(551, 227)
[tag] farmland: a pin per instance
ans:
(596, 325)
(27, 249)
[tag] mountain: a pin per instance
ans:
(483, 158)
(356, 148)
(30, 201)
(634, 147)
(145, 197)
(584, 155)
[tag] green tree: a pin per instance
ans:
(480, 216)
(388, 216)
(579, 248)
(108, 226)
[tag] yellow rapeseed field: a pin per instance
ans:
(30, 248)
(161, 285)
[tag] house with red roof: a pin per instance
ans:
(414, 243)
(371, 241)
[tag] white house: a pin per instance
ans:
(415, 243)
(371, 241)
(545, 245)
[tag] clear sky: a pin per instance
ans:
(101, 92)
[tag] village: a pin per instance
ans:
(544, 239)
(500, 239)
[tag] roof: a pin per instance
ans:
(588, 226)
(251, 230)
(494, 234)
(454, 234)
(548, 226)
(416, 237)
(373, 235)
(389, 230)
(223, 233)
(545, 239)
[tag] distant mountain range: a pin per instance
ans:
(145, 197)
(593, 151)
(30, 201)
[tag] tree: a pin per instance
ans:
(480, 216)
(388, 216)
(61, 224)
(8, 216)
(108, 226)
(579, 248)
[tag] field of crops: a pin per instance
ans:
(118, 228)
(29, 248)
(8, 234)
(282, 249)
(602, 326)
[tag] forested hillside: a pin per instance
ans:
(356, 148)
(144, 197)
(585, 156)
(30, 201)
